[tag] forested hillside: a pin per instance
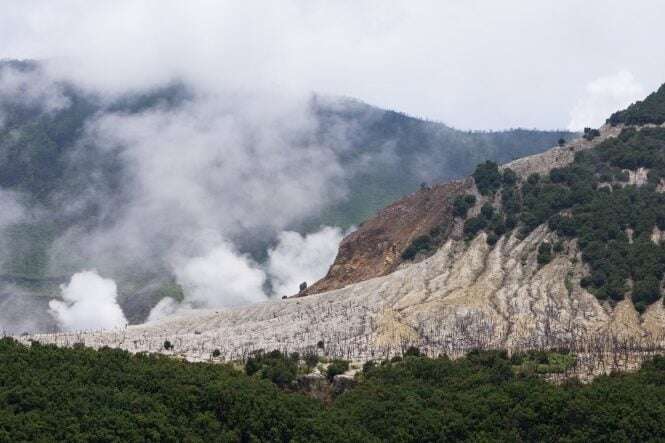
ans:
(594, 200)
(78, 394)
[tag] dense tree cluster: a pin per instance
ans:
(487, 177)
(590, 133)
(543, 362)
(336, 367)
(78, 394)
(613, 222)
(590, 200)
(462, 204)
(279, 368)
(496, 222)
(544, 253)
(428, 243)
(420, 244)
(649, 110)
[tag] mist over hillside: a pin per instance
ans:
(194, 197)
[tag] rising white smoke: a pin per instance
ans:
(220, 278)
(298, 258)
(223, 277)
(205, 182)
(166, 306)
(89, 302)
(216, 170)
(603, 96)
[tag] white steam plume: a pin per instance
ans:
(224, 278)
(205, 182)
(298, 258)
(88, 302)
(166, 306)
(221, 278)
(217, 170)
(603, 96)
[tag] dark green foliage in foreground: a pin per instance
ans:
(649, 110)
(279, 368)
(543, 362)
(336, 367)
(51, 394)
(412, 351)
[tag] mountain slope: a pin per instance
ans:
(465, 296)
(426, 217)
(390, 154)
(70, 185)
(580, 266)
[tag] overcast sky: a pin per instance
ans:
(471, 64)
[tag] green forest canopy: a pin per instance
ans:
(79, 394)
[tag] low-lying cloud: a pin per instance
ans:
(32, 88)
(427, 58)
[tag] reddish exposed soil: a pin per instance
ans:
(375, 249)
